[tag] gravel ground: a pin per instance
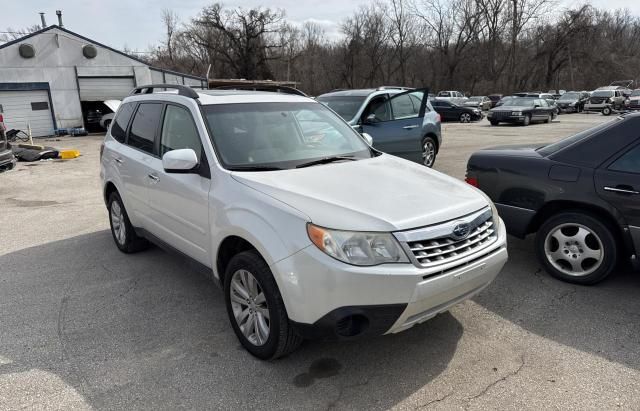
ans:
(85, 326)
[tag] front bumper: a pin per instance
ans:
(324, 297)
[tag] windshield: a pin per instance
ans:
(602, 93)
(570, 96)
(345, 106)
(474, 98)
(280, 135)
(635, 93)
(518, 101)
(552, 148)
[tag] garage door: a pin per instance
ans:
(22, 108)
(104, 88)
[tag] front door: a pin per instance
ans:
(618, 182)
(179, 202)
(401, 133)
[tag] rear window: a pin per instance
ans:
(119, 126)
(566, 142)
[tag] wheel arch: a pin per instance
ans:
(434, 137)
(109, 188)
(557, 206)
(228, 248)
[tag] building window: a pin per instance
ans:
(40, 106)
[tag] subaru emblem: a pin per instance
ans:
(461, 231)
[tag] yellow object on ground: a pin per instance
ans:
(69, 154)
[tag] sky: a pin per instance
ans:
(137, 24)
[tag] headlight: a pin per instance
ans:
(357, 248)
(516, 113)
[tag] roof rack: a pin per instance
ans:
(264, 87)
(182, 90)
(394, 88)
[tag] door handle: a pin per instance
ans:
(410, 127)
(154, 177)
(119, 160)
(622, 190)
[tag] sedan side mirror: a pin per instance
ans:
(180, 161)
(368, 138)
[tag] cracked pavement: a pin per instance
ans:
(83, 326)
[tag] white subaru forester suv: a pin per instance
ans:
(310, 231)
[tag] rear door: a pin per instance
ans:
(134, 160)
(179, 202)
(401, 134)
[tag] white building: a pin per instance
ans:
(53, 77)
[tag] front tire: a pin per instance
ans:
(549, 118)
(576, 247)
(255, 308)
(606, 111)
(526, 121)
(122, 231)
(494, 123)
(465, 118)
(429, 151)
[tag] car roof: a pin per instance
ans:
(609, 88)
(207, 97)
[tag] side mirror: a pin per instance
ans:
(370, 119)
(179, 161)
(368, 138)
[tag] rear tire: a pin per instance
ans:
(576, 247)
(255, 308)
(122, 231)
(429, 151)
(465, 118)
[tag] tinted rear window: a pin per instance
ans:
(119, 126)
(591, 147)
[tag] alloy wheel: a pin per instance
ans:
(117, 223)
(428, 153)
(465, 118)
(250, 308)
(574, 249)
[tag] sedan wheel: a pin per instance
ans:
(465, 118)
(428, 152)
(250, 308)
(577, 247)
(573, 249)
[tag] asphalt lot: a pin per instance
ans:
(85, 326)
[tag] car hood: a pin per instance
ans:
(112, 104)
(384, 193)
(511, 108)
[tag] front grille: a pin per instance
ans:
(439, 245)
(500, 115)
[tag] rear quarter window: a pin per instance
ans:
(120, 123)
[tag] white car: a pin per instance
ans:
(310, 231)
(105, 120)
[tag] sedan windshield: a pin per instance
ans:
(273, 136)
(519, 101)
(345, 106)
(570, 96)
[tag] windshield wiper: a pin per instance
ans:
(254, 168)
(326, 160)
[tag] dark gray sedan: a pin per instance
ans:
(522, 110)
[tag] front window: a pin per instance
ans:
(570, 96)
(602, 93)
(273, 136)
(520, 101)
(345, 106)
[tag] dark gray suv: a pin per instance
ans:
(400, 121)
